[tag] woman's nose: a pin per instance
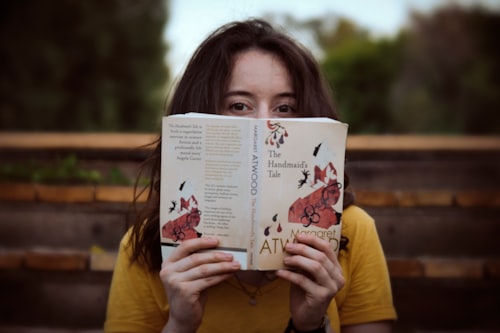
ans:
(263, 111)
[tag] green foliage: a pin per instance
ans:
(450, 78)
(82, 65)
(62, 171)
(361, 72)
(440, 75)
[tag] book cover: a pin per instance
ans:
(252, 183)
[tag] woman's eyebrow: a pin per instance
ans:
(248, 94)
(237, 93)
(287, 94)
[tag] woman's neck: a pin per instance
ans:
(256, 278)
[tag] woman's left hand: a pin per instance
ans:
(316, 277)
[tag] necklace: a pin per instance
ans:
(269, 276)
(252, 294)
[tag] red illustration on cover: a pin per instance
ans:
(317, 207)
(183, 227)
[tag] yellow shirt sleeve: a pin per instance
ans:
(137, 301)
(366, 295)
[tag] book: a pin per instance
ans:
(252, 183)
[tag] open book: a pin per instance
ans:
(252, 183)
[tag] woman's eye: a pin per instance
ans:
(285, 108)
(240, 107)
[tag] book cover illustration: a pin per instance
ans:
(314, 207)
(317, 207)
(184, 226)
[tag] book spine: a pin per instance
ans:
(254, 181)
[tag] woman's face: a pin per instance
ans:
(259, 87)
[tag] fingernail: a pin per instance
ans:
(212, 240)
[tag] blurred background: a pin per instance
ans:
(83, 85)
(396, 67)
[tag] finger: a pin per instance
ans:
(322, 267)
(322, 246)
(209, 271)
(323, 289)
(320, 272)
(192, 245)
(312, 269)
(319, 244)
(201, 258)
(199, 277)
(306, 257)
(300, 280)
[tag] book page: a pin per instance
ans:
(203, 192)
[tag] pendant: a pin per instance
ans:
(252, 301)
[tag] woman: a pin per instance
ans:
(249, 69)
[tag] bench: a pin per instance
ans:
(436, 201)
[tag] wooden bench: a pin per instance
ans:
(436, 201)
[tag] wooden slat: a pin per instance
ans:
(117, 194)
(56, 259)
(453, 268)
(17, 192)
(377, 198)
(422, 143)
(405, 268)
(493, 268)
(476, 198)
(65, 193)
(74, 140)
(53, 299)
(419, 198)
(17, 140)
(11, 259)
(104, 261)
(63, 225)
(438, 231)
(364, 197)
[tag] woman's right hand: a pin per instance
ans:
(187, 274)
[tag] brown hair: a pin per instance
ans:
(200, 90)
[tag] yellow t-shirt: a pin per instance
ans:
(137, 300)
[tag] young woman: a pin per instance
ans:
(249, 69)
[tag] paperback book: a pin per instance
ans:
(252, 183)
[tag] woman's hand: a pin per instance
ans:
(316, 277)
(187, 274)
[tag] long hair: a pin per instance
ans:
(201, 88)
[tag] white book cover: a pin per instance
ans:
(252, 183)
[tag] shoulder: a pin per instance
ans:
(356, 222)
(363, 242)
(125, 248)
(366, 296)
(354, 212)
(135, 293)
(131, 269)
